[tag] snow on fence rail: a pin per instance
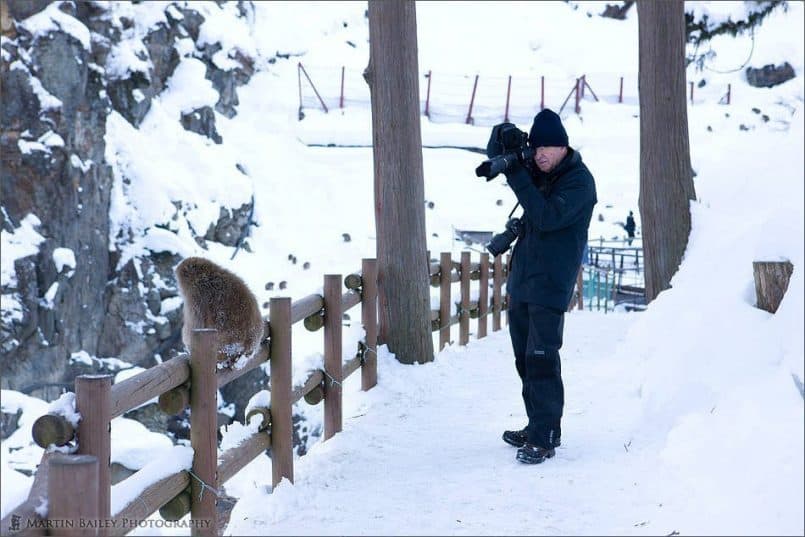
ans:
(482, 99)
(190, 481)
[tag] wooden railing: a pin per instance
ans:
(193, 379)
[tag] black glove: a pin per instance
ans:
(505, 138)
(515, 225)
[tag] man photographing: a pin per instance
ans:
(557, 193)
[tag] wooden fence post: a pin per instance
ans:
(691, 93)
(497, 279)
(483, 295)
(333, 373)
(73, 495)
(281, 378)
(93, 398)
(445, 273)
(369, 314)
(578, 97)
(464, 314)
(620, 92)
(204, 430)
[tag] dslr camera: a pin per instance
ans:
(502, 241)
(507, 145)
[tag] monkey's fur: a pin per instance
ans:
(216, 298)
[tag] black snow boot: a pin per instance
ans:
(531, 454)
(516, 438)
(519, 438)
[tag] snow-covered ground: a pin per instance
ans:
(687, 417)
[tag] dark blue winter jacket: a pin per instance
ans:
(557, 211)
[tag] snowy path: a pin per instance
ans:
(422, 454)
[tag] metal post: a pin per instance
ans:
(542, 93)
(299, 77)
(620, 93)
(341, 99)
(472, 101)
(597, 290)
(312, 85)
(691, 93)
(508, 94)
(427, 96)
(729, 92)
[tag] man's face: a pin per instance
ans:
(547, 158)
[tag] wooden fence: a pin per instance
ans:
(77, 488)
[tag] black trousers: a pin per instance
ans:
(536, 334)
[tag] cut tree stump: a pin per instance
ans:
(771, 282)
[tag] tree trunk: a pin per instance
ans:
(666, 178)
(392, 75)
(771, 283)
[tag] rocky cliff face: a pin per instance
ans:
(69, 301)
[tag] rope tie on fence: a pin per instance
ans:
(204, 486)
(333, 382)
(363, 349)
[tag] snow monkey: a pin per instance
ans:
(216, 298)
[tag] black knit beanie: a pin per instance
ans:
(547, 130)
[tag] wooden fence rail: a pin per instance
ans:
(193, 379)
